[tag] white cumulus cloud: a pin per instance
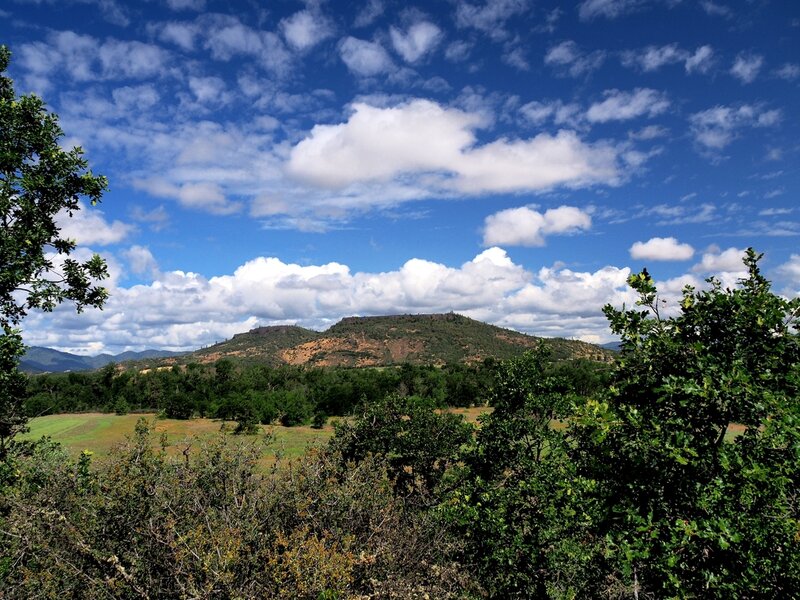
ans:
(746, 67)
(571, 60)
(791, 269)
(652, 58)
(141, 261)
(418, 137)
(701, 60)
(661, 249)
(420, 39)
(202, 195)
(87, 226)
(721, 261)
(526, 227)
(622, 106)
(715, 128)
(491, 16)
(304, 29)
(184, 310)
(364, 58)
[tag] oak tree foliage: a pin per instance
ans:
(38, 181)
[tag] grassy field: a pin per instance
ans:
(101, 432)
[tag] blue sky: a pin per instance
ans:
(511, 160)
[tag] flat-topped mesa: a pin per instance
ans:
(389, 340)
(451, 316)
(270, 330)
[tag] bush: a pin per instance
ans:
(688, 513)
(213, 525)
(319, 420)
(295, 408)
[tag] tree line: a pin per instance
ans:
(291, 395)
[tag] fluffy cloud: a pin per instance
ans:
(85, 58)
(209, 90)
(746, 67)
(182, 310)
(526, 227)
(560, 113)
(791, 269)
(700, 61)
(379, 144)
(652, 58)
(364, 58)
(622, 106)
(661, 249)
(788, 71)
(181, 34)
(227, 37)
(565, 292)
(569, 59)
(490, 17)
(203, 165)
(717, 127)
(304, 30)
(420, 39)
(610, 9)
(203, 195)
(715, 10)
(721, 261)
(88, 227)
(141, 261)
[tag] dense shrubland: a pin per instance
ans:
(638, 491)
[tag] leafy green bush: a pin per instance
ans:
(418, 443)
(689, 513)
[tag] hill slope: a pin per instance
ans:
(46, 360)
(385, 341)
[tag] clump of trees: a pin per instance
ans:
(287, 394)
(646, 492)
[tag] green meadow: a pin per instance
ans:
(101, 432)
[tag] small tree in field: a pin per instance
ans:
(691, 511)
(38, 179)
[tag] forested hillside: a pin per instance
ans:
(435, 339)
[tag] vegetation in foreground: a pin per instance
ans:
(639, 496)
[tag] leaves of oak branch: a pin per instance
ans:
(38, 179)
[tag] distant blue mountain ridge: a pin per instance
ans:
(615, 346)
(46, 360)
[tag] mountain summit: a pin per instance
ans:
(389, 340)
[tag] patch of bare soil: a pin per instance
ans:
(401, 349)
(355, 351)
